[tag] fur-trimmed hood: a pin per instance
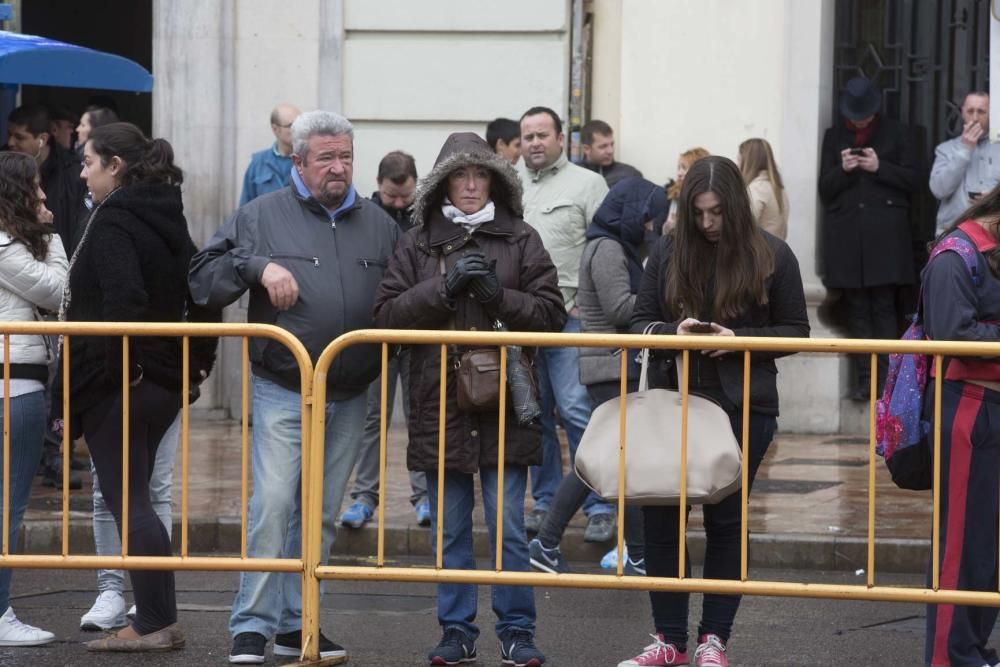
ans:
(465, 149)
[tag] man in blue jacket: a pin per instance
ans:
(311, 255)
(269, 168)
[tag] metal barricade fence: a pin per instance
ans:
(317, 570)
(183, 561)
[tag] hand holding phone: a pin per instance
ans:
(701, 328)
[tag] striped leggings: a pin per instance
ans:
(970, 484)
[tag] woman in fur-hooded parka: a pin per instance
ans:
(412, 295)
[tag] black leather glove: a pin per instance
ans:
(486, 288)
(461, 274)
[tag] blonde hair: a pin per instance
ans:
(756, 156)
(688, 157)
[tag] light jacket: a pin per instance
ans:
(560, 201)
(959, 170)
(25, 285)
(765, 207)
(268, 171)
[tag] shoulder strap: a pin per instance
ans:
(963, 249)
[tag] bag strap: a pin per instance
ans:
(963, 249)
(644, 358)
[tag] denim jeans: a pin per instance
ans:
(558, 372)
(722, 547)
(366, 477)
(106, 538)
(268, 602)
(514, 606)
(572, 492)
(27, 431)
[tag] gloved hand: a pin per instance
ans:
(461, 274)
(486, 288)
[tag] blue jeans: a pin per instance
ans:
(558, 372)
(27, 432)
(269, 602)
(366, 476)
(514, 606)
(106, 538)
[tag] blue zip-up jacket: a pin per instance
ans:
(268, 171)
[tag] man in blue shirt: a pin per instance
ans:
(269, 168)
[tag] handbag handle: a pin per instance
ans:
(644, 359)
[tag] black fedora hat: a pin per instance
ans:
(860, 99)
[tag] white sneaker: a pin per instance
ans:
(15, 633)
(108, 612)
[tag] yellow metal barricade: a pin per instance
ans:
(184, 561)
(315, 562)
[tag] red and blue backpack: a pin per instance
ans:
(901, 432)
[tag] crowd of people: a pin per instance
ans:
(502, 233)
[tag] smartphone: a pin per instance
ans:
(857, 151)
(701, 328)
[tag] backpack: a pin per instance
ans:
(901, 432)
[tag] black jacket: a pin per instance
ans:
(783, 315)
(616, 172)
(64, 193)
(133, 268)
(337, 265)
(403, 218)
(866, 235)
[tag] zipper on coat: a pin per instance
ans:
(314, 260)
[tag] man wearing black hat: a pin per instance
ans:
(867, 174)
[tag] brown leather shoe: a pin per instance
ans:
(169, 638)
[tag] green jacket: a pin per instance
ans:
(560, 201)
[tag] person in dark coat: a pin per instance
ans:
(867, 175)
(470, 261)
(130, 265)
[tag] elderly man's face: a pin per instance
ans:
(328, 168)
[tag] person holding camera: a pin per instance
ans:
(867, 175)
(967, 166)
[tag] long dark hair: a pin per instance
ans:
(740, 262)
(19, 203)
(145, 160)
(986, 209)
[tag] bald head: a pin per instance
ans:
(282, 118)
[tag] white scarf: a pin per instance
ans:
(472, 220)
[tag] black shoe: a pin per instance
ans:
(533, 520)
(78, 464)
(52, 475)
(517, 648)
(454, 648)
(600, 528)
(248, 649)
(290, 643)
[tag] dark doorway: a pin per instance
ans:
(122, 27)
(925, 57)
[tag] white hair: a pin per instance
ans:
(312, 123)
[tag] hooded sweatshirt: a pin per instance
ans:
(132, 267)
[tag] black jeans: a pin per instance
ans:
(871, 313)
(572, 492)
(152, 409)
(722, 548)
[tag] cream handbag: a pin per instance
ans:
(653, 448)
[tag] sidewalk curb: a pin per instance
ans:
(801, 551)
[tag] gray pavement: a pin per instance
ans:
(394, 624)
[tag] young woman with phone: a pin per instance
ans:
(716, 267)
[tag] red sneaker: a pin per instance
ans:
(711, 652)
(657, 654)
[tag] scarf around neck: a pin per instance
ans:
(470, 221)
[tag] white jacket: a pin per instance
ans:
(27, 284)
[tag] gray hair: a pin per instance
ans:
(312, 123)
